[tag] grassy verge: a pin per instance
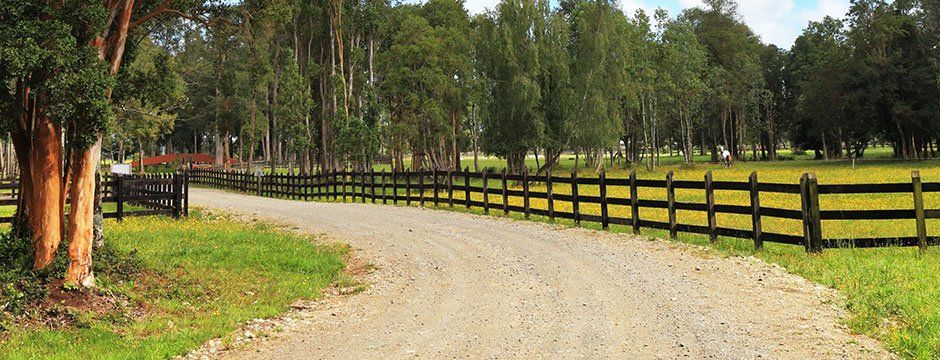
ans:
(201, 278)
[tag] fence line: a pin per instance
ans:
(152, 194)
(408, 187)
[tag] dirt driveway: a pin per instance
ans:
(452, 285)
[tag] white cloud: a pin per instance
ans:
(480, 6)
(780, 22)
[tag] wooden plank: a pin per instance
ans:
(918, 191)
(782, 238)
(505, 194)
(653, 204)
(575, 207)
(605, 217)
(407, 187)
(421, 189)
(865, 188)
(804, 206)
(450, 188)
(814, 214)
(372, 185)
(659, 184)
(436, 189)
(634, 203)
(466, 186)
(548, 195)
(710, 205)
(733, 209)
(687, 206)
(486, 194)
(671, 199)
(685, 184)
(779, 188)
(525, 193)
(755, 211)
(394, 187)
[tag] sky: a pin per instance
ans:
(777, 22)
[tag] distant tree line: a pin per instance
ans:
(336, 84)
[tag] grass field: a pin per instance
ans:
(202, 277)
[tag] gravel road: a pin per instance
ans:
(453, 285)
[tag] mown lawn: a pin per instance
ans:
(202, 278)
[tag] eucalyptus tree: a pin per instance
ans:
(509, 61)
(61, 58)
(684, 63)
(598, 56)
(734, 48)
(819, 61)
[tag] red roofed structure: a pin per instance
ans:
(196, 159)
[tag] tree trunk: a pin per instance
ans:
(81, 216)
(45, 207)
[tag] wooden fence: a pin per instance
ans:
(133, 195)
(439, 188)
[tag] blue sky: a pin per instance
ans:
(775, 21)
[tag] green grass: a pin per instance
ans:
(205, 276)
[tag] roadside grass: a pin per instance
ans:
(202, 277)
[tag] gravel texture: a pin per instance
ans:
(454, 285)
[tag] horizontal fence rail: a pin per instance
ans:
(476, 190)
(132, 195)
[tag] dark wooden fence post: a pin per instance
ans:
(437, 198)
(548, 195)
(408, 187)
(919, 212)
(384, 188)
(755, 213)
(486, 192)
(362, 180)
(177, 195)
(372, 184)
(710, 205)
(394, 187)
(634, 204)
(526, 209)
(319, 180)
(119, 195)
(605, 218)
(671, 202)
(421, 188)
(335, 184)
(575, 201)
(505, 195)
(343, 174)
(466, 186)
(185, 192)
(450, 188)
(812, 226)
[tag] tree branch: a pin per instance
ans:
(164, 9)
